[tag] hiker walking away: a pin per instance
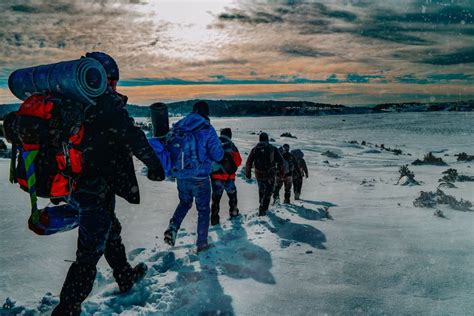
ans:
(110, 140)
(267, 161)
(286, 178)
(300, 171)
(223, 177)
(193, 146)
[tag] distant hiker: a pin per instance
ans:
(110, 140)
(286, 178)
(223, 177)
(193, 144)
(268, 162)
(300, 171)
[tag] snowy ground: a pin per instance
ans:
(378, 255)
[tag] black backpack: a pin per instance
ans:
(228, 163)
(264, 158)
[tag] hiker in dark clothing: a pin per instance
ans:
(192, 152)
(111, 139)
(300, 171)
(267, 161)
(223, 177)
(286, 178)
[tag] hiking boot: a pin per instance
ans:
(126, 279)
(203, 247)
(77, 286)
(262, 212)
(287, 201)
(170, 236)
(215, 220)
(61, 310)
(297, 196)
(234, 213)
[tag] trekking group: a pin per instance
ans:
(80, 156)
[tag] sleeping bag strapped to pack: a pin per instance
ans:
(46, 133)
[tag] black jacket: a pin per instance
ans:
(111, 140)
(301, 170)
(267, 161)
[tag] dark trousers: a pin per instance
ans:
(198, 189)
(297, 185)
(279, 182)
(218, 188)
(99, 234)
(265, 189)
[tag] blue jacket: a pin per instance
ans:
(208, 144)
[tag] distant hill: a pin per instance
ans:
(461, 106)
(225, 108)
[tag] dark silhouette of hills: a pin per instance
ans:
(223, 108)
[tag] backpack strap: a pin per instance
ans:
(29, 157)
(13, 163)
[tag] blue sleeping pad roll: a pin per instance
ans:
(81, 80)
(55, 219)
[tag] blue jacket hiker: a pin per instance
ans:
(193, 145)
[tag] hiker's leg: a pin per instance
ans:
(278, 185)
(297, 184)
(261, 193)
(217, 191)
(288, 184)
(202, 194)
(268, 188)
(185, 202)
(231, 190)
(94, 227)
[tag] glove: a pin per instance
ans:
(156, 174)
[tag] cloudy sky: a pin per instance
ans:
(353, 52)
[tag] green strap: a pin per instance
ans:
(29, 158)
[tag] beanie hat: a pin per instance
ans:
(263, 137)
(201, 108)
(109, 64)
(226, 132)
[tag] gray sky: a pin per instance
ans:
(341, 51)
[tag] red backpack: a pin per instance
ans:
(44, 129)
(46, 135)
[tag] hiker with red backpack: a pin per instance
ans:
(111, 138)
(268, 162)
(79, 150)
(193, 145)
(223, 177)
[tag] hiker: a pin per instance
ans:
(300, 171)
(110, 140)
(223, 177)
(286, 179)
(267, 161)
(193, 145)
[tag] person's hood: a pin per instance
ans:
(191, 122)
